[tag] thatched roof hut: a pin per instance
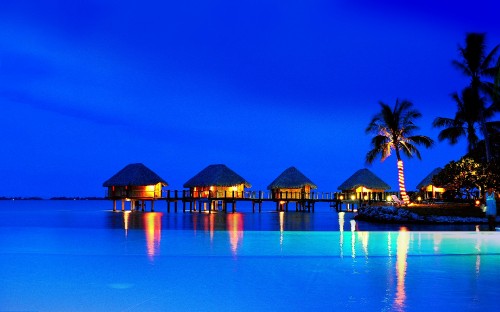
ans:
(428, 179)
(364, 183)
(135, 181)
(291, 183)
(217, 179)
(291, 178)
(364, 178)
(430, 191)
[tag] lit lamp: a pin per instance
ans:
(366, 197)
(478, 202)
(341, 197)
(419, 199)
(389, 198)
(353, 197)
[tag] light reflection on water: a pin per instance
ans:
(247, 255)
(401, 265)
(360, 242)
(152, 227)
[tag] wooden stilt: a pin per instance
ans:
(123, 204)
(152, 205)
(114, 204)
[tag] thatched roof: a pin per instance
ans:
(216, 175)
(428, 179)
(291, 178)
(134, 175)
(366, 178)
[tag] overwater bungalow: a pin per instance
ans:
(365, 185)
(135, 183)
(217, 181)
(430, 190)
(291, 183)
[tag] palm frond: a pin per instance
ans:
(486, 64)
(441, 122)
(452, 134)
(421, 140)
(393, 128)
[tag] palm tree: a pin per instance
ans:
(476, 64)
(465, 121)
(392, 129)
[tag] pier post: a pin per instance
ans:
(123, 204)
(152, 206)
(175, 202)
(114, 204)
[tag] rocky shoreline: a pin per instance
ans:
(391, 214)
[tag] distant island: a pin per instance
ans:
(52, 198)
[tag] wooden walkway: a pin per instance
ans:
(208, 201)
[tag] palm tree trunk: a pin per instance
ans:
(401, 179)
(484, 130)
(487, 146)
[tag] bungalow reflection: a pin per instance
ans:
(209, 223)
(356, 235)
(149, 222)
(152, 222)
(235, 229)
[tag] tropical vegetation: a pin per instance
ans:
(393, 130)
(479, 101)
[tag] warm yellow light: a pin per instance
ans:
(419, 198)
(152, 227)
(366, 197)
(353, 197)
(478, 202)
(389, 198)
(341, 197)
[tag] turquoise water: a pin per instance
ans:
(79, 256)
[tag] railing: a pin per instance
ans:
(133, 194)
(250, 195)
(188, 195)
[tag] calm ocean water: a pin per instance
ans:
(81, 256)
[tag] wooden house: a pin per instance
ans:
(365, 185)
(293, 184)
(431, 191)
(217, 181)
(134, 183)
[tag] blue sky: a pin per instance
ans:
(87, 87)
